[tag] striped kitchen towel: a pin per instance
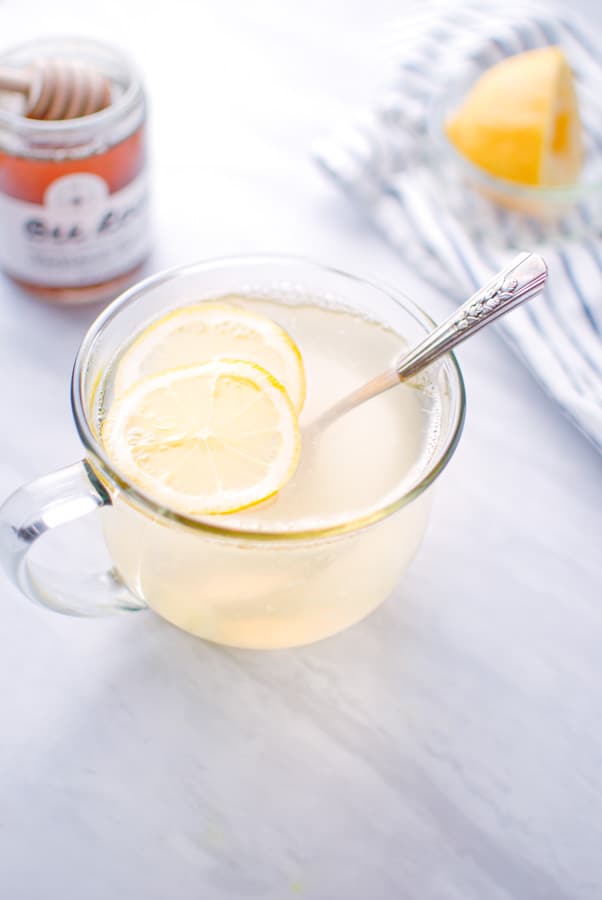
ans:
(383, 162)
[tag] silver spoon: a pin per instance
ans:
(524, 278)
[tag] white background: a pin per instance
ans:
(449, 747)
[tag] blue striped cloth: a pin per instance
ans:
(381, 161)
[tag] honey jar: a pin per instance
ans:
(74, 217)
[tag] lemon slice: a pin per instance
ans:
(210, 438)
(521, 120)
(207, 331)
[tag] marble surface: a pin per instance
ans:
(449, 747)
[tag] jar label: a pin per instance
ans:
(80, 235)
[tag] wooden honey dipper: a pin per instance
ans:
(58, 89)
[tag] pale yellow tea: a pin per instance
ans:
(207, 411)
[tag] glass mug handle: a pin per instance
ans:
(39, 507)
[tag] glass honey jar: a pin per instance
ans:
(74, 217)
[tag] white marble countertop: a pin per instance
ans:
(449, 747)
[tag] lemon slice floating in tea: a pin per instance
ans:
(210, 438)
(521, 120)
(207, 331)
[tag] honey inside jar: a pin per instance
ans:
(73, 193)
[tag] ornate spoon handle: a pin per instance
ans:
(521, 280)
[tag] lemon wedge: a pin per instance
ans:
(205, 439)
(521, 120)
(203, 332)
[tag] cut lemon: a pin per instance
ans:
(204, 439)
(521, 120)
(208, 331)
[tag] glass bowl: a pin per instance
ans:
(507, 213)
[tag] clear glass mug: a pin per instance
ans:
(225, 585)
